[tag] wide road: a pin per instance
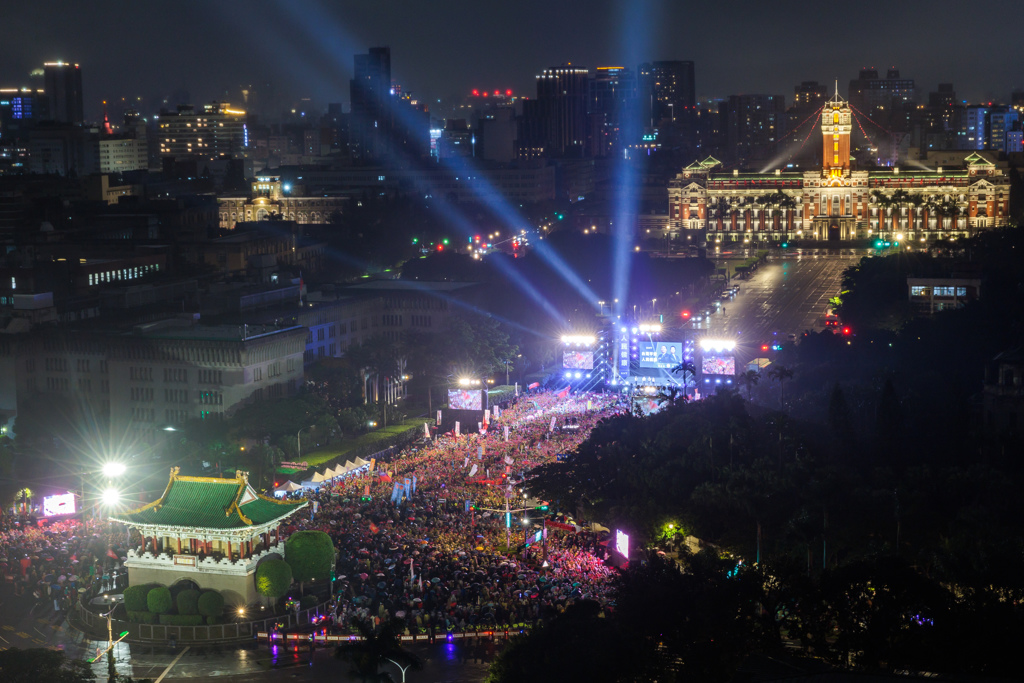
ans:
(786, 296)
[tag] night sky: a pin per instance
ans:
(207, 48)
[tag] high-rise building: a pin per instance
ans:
(613, 103)
(557, 120)
(63, 87)
(752, 125)
(370, 92)
(668, 88)
(870, 93)
(809, 95)
(217, 130)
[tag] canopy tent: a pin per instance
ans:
(286, 488)
(317, 478)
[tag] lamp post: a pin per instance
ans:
(298, 441)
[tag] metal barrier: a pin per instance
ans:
(272, 637)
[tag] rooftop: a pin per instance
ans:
(209, 503)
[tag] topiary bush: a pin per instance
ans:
(310, 554)
(135, 597)
(307, 601)
(181, 619)
(188, 601)
(211, 604)
(159, 600)
(273, 578)
(213, 621)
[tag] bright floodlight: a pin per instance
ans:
(650, 328)
(718, 344)
(581, 339)
(113, 469)
(111, 497)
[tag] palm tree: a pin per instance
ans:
(377, 648)
(749, 379)
(885, 205)
(780, 374)
(900, 198)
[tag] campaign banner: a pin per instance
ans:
(408, 488)
(480, 452)
(497, 412)
(466, 464)
(487, 415)
(560, 525)
(373, 463)
(551, 427)
(439, 418)
(456, 428)
(472, 471)
(426, 430)
(506, 432)
(414, 483)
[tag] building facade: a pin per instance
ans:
(839, 202)
(211, 132)
(270, 196)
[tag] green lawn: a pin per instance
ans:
(382, 435)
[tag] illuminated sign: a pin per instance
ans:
(622, 543)
(61, 504)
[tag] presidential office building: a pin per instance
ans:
(839, 202)
(272, 197)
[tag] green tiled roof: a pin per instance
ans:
(210, 503)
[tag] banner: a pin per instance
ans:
(456, 429)
(366, 490)
(426, 430)
(414, 483)
(497, 413)
(480, 452)
(373, 463)
(508, 460)
(472, 471)
(517, 388)
(551, 427)
(506, 432)
(408, 488)
(439, 418)
(560, 525)
(480, 426)
(466, 464)
(534, 385)
(487, 415)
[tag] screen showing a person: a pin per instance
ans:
(465, 399)
(661, 355)
(578, 360)
(622, 543)
(718, 365)
(63, 504)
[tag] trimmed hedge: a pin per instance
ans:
(159, 600)
(142, 617)
(273, 578)
(307, 601)
(135, 597)
(211, 604)
(188, 602)
(310, 554)
(181, 619)
(213, 621)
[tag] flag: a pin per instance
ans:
(506, 432)
(472, 471)
(374, 528)
(508, 460)
(497, 412)
(456, 428)
(408, 488)
(439, 418)
(111, 554)
(487, 416)
(480, 452)
(414, 483)
(563, 393)
(551, 427)
(466, 463)
(373, 463)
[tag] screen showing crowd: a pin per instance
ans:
(578, 360)
(718, 365)
(661, 355)
(465, 399)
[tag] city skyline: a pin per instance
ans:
(306, 50)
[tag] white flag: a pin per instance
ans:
(472, 471)
(466, 464)
(508, 460)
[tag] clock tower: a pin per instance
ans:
(836, 125)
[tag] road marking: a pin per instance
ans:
(171, 665)
(8, 628)
(22, 634)
(4, 639)
(40, 632)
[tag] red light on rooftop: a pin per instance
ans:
(508, 93)
(846, 330)
(686, 314)
(476, 92)
(485, 93)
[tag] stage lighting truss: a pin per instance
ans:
(717, 345)
(579, 339)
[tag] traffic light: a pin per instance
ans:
(543, 507)
(776, 347)
(846, 331)
(764, 347)
(560, 216)
(785, 245)
(686, 315)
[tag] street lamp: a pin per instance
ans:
(114, 469)
(111, 497)
(298, 441)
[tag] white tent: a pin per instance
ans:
(332, 473)
(317, 478)
(286, 488)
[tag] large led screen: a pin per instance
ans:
(660, 355)
(718, 365)
(62, 504)
(465, 399)
(578, 360)
(622, 543)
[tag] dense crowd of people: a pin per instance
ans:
(57, 561)
(431, 563)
